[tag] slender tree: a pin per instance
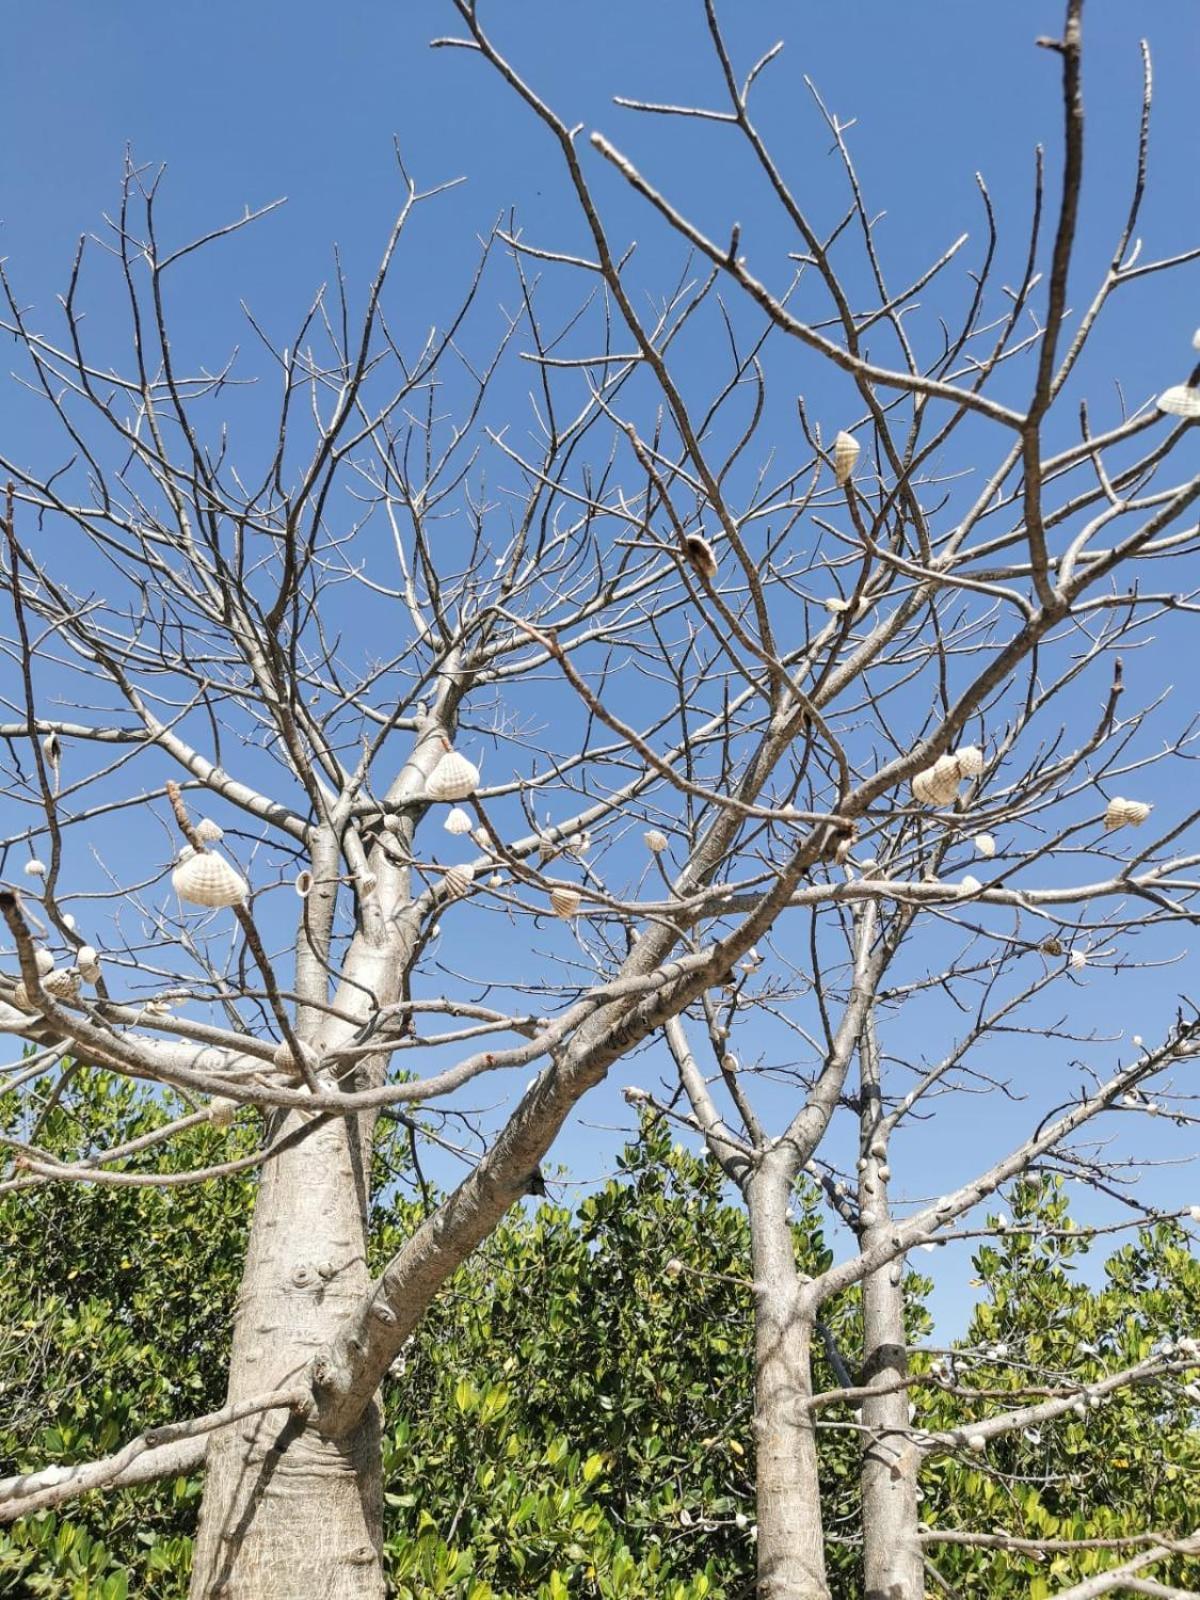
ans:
(659, 610)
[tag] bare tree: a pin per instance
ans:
(659, 623)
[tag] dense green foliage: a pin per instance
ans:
(573, 1417)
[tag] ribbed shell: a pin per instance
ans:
(454, 778)
(846, 450)
(221, 1111)
(984, 844)
(44, 961)
(938, 784)
(1181, 400)
(286, 1061)
(457, 821)
(655, 841)
(457, 880)
(60, 983)
(208, 831)
(1121, 813)
(35, 868)
(205, 878)
(1078, 959)
(483, 838)
(969, 885)
(564, 902)
(970, 760)
(88, 962)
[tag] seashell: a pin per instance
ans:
(977, 1443)
(457, 821)
(970, 760)
(483, 838)
(285, 1061)
(496, 881)
(730, 1063)
(938, 784)
(836, 605)
(52, 749)
(548, 848)
(1181, 400)
(984, 844)
(701, 555)
(208, 831)
(564, 902)
(655, 841)
(88, 962)
(1120, 812)
(35, 868)
(846, 450)
(970, 885)
(221, 1111)
(454, 778)
(44, 961)
(1078, 959)
(303, 884)
(207, 879)
(69, 922)
(1051, 947)
(60, 983)
(456, 881)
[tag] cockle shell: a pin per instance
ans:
(454, 778)
(1120, 812)
(1078, 959)
(44, 962)
(208, 831)
(205, 878)
(35, 868)
(655, 841)
(483, 838)
(938, 784)
(457, 821)
(969, 885)
(60, 983)
(846, 449)
(564, 902)
(88, 962)
(221, 1111)
(457, 880)
(1181, 400)
(970, 760)
(701, 555)
(286, 1061)
(984, 844)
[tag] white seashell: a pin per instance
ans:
(564, 902)
(60, 983)
(1120, 812)
(977, 1443)
(970, 760)
(984, 844)
(1194, 1213)
(969, 885)
(35, 868)
(701, 555)
(286, 1061)
(846, 451)
(454, 778)
(208, 831)
(457, 880)
(496, 881)
(69, 922)
(52, 749)
(44, 961)
(938, 784)
(1078, 959)
(221, 1111)
(1196, 340)
(88, 962)
(1181, 400)
(457, 821)
(655, 841)
(303, 884)
(207, 879)
(836, 605)
(730, 1063)
(483, 838)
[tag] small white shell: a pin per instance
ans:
(286, 1061)
(457, 821)
(207, 879)
(846, 450)
(1196, 340)
(1078, 959)
(977, 1443)
(1181, 400)
(483, 838)
(984, 844)
(938, 784)
(208, 831)
(88, 962)
(221, 1111)
(303, 884)
(496, 881)
(655, 841)
(457, 880)
(969, 885)
(44, 961)
(60, 983)
(1119, 812)
(730, 1063)
(35, 868)
(69, 922)
(454, 778)
(564, 902)
(970, 760)
(837, 605)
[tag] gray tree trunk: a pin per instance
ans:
(791, 1546)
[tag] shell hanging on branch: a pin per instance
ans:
(1121, 813)
(938, 784)
(204, 878)
(483, 838)
(564, 902)
(454, 778)
(35, 868)
(221, 1111)
(208, 831)
(846, 451)
(970, 760)
(456, 881)
(60, 983)
(969, 886)
(655, 841)
(88, 962)
(1078, 960)
(1181, 400)
(286, 1061)
(701, 555)
(984, 844)
(457, 821)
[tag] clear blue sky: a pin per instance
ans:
(251, 101)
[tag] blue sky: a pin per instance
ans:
(248, 102)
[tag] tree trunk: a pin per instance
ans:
(288, 1515)
(791, 1548)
